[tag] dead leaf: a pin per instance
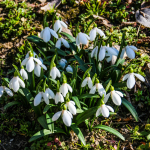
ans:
(67, 31)
(42, 1)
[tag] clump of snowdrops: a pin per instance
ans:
(66, 84)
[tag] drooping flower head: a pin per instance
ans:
(62, 63)
(82, 38)
(23, 73)
(58, 25)
(55, 72)
(71, 106)
(88, 81)
(69, 69)
(7, 90)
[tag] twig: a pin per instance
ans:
(2, 146)
(138, 30)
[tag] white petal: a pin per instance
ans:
(106, 98)
(94, 52)
(64, 89)
(122, 53)
(44, 67)
(46, 35)
(58, 73)
(92, 35)
(24, 74)
(110, 108)
(62, 63)
(90, 84)
(86, 36)
(57, 25)
(93, 90)
(119, 93)
(30, 64)
(72, 102)
(45, 96)
(101, 53)
(112, 51)
(58, 43)
(98, 112)
(130, 53)
(51, 93)
(69, 88)
(24, 61)
(125, 77)
(8, 91)
(131, 81)
(105, 111)
(84, 82)
(140, 77)
(53, 33)
(15, 84)
(72, 108)
(37, 99)
(66, 44)
(66, 118)
(133, 48)
(115, 98)
(41, 34)
(37, 70)
(70, 114)
(63, 24)
(82, 38)
(102, 91)
(53, 73)
(21, 71)
(10, 83)
(69, 69)
(37, 61)
(21, 83)
(56, 116)
(1, 91)
(101, 33)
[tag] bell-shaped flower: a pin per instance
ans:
(49, 93)
(64, 88)
(46, 34)
(94, 52)
(23, 74)
(99, 88)
(131, 79)
(69, 69)
(130, 51)
(40, 97)
(58, 98)
(93, 33)
(61, 40)
(115, 96)
(55, 73)
(7, 90)
(66, 117)
(104, 110)
(71, 106)
(37, 69)
(58, 25)
(15, 83)
(82, 38)
(29, 62)
(86, 81)
(62, 63)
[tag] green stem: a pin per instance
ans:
(92, 123)
(33, 80)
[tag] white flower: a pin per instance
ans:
(15, 83)
(115, 96)
(103, 50)
(55, 73)
(129, 50)
(94, 52)
(104, 110)
(86, 81)
(64, 88)
(66, 117)
(24, 74)
(7, 90)
(61, 40)
(58, 98)
(82, 38)
(69, 69)
(93, 33)
(29, 62)
(62, 63)
(131, 79)
(49, 93)
(71, 107)
(100, 89)
(58, 25)
(38, 98)
(46, 34)
(37, 69)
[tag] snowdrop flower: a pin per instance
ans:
(55, 72)
(131, 79)
(69, 69)
(71, 106)
(58, 25)
(23, 73)
(64, 88)
(115, 96)
(29, 62)
(49, 93)
(39, 57)
(37, 69)
(93, 33)
(62, 63)
(58, 98)
(82, 38)
(16, 82)
(66, 117)
(46, 34)
(129, 50)
(104, 110)
(39, 98)
(61, 40)
(99, 88)
(94, 52)
(7, 90)
(88, 81)
(27, 55)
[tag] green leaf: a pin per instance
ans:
(52, 62)
(59, 130)
(60, 52)
(81, 62)
(71, 38)
(108, 86)
(47, 107)
(76, 100)
(111, 130)
(42, 121)
(87, 71)
(42, 54)
(11, 104)
(88, 96)
(50, 123)
(148, 137)
(129, 106)
(78, 132)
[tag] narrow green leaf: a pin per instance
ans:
(49, 121)
(86, 72)
(111, 130)
(108, 86)
(81, 62)
(88, 96)
(59, 130)
(42, 54)
(52, 62)
(11, 104)
(42, 121)
(47, 107)
(129, 106)
(78, 132)
(76, 100)
(71, 38)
